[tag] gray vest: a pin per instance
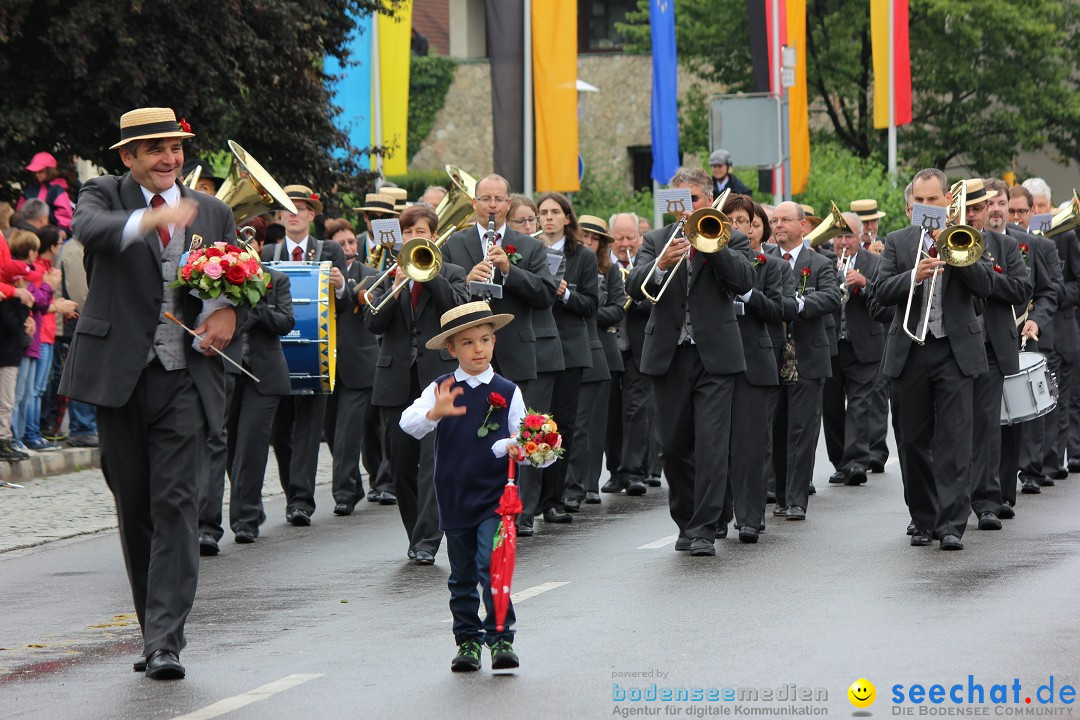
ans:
(169, 338)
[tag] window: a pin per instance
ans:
(596, 24)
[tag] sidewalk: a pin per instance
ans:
(77, 501)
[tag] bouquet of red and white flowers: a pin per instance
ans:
(538, 441)
(223, 271)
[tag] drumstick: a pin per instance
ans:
(237, 365)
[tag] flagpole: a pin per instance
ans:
(376, 92)
(892, 93)
(527, 126)
(775, 51)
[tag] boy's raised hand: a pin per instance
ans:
(445, 394)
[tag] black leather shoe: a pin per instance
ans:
(1030, 487)
(140, 664)
(373, 495)
(796, 513)
(780, 511)
(423, 557)
(525, 530)
(208, 546)
(653, 481)
(951, 542)
(876, 466)
(343, 509)
(636, 487)
(411, 554)
(855, 476)
(920, 538)
(813, 490)
(592, 498)
(682, 544)
(244, 537)
(721, 532)
(911, 528)
(1059, 474)
(837, 477)
(770, 497)
(700, 547)
(1048, 481)
(613, 485)
(1074, 466)
(387, 498)
(571, 505)
(299, 517)
(164, 665)
(1006, 512)
(748, 535)
(989, 521)
(555, 515)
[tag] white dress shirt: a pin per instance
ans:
(131, 228)
(414, 419)
(559, 245)
(794, 252)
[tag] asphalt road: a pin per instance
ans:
(332, 621)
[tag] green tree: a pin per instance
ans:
(246, 70)
(989, 78)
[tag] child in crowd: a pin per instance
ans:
(469, 478)
(14, 314)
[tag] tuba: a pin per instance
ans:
(249, 190)
(1065, 219)
(831, 226)
(455, 209)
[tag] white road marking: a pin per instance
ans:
(251, 696)
(523, 595)
(662, 542)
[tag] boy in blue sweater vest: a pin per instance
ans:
(469, 478)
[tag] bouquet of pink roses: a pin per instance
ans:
(223, 271)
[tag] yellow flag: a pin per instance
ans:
(797, 104)
(554, 36)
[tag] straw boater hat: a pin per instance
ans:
(464, 317)
(866, 209)
(302, 193)
(593, 224)
(378, 203)
(149, 123)
(400, 196)
(977, 192)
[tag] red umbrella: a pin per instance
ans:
(504, 551)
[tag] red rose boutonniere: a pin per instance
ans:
(1024, 251)
(805, 279)
(759, 260)
(184, 126)
(495, 402)
(999, 269)
(512, 254)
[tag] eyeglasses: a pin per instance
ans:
(1019, 211)
(524, 221)
(489, 199)
(695, 198)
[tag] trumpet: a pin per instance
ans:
(420, 259)
(625, 272)
(708, 230)
(959, 245)
(845, 264)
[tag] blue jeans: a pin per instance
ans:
(469, 551)
(24, 389)
(82, 419)
(32, 433)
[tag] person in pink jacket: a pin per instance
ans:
(49, 187)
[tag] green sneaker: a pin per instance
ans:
(503, 656)
(467, 658)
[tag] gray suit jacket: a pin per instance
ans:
(821, 298)
(1010, 287)
(765, 309)
(1066, 335)
(1044, 268)
(708, 295)
(116, 328)
(961, 287)
(866, 335)
(572, 316)
(609, 316)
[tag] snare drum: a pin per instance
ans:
(311, 346)
(1030, 393)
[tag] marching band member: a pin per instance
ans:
(298, 424)
(693, 350)
(404, 367)
(850, 394)
(1011, 286)
(932, 382)
(798, 415)
(869, 216)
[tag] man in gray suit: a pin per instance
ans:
(157, 396)
(849, 395)
(932, 382)
(693, 350)
(798, 414)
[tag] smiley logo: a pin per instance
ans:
(862, 693)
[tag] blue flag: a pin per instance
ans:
(352, 83)
(665, 109)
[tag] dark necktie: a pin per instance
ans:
(787, 256)
(415, 293)
(866, 246)
(298, 254)
(933, 251)
(162, 230)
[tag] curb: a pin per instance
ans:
(56, 462)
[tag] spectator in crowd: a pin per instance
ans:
(50, 188)
(14, 318)
(82, 427)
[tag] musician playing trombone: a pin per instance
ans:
(692, 351)
(932, 381)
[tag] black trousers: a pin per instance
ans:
(1056, 422)
(295, 436)
(412, 465)
(589, 433)
(796, 425)
(1035, 438)
(613, 440)
(746, 489)
(151, 450)
(350, 443)
(695, 407)
(848, 408)
(212, 479)
(537, 396)
(986, 438)
(565, 398)
(932, 403)
(879, 417)
(636, 460)
(251, 416)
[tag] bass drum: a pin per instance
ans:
(1030, 393)
(311, 347)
